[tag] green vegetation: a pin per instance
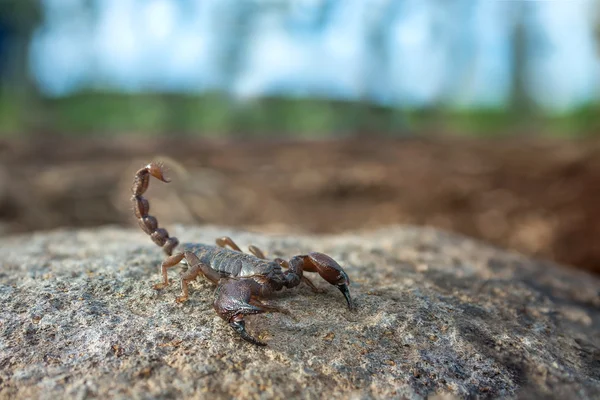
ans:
(217, 115)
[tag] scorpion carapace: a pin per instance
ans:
(241, 278)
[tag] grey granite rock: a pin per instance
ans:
(438, 314)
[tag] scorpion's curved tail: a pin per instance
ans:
(147, 222)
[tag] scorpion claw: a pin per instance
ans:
(331, 271)
(346, 292)
(240, 327)
(232, 303)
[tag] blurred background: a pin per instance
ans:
(477, 116)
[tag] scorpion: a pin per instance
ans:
(241, 278)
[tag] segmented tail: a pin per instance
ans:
(148, 223)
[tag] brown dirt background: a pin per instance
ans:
(538, 196)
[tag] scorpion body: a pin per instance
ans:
(241, 278)
(232, 263)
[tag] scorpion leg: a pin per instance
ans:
(227, 241)
(170, 262)
(326, 266)
(267, 308)
(257, 252)
(232, 303)
(196, 268)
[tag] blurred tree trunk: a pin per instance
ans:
(236, 24)
(597, 36)
(521, 102)
(376, 74)
(20, 19)
(597, 25)
(460, 42)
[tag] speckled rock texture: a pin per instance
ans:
(438, 314)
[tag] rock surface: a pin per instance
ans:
(437, 314)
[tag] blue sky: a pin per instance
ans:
(459, 52)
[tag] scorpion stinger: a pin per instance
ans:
(241, 278)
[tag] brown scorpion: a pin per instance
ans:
(241, 278)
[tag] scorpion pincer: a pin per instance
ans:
(241, 278)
